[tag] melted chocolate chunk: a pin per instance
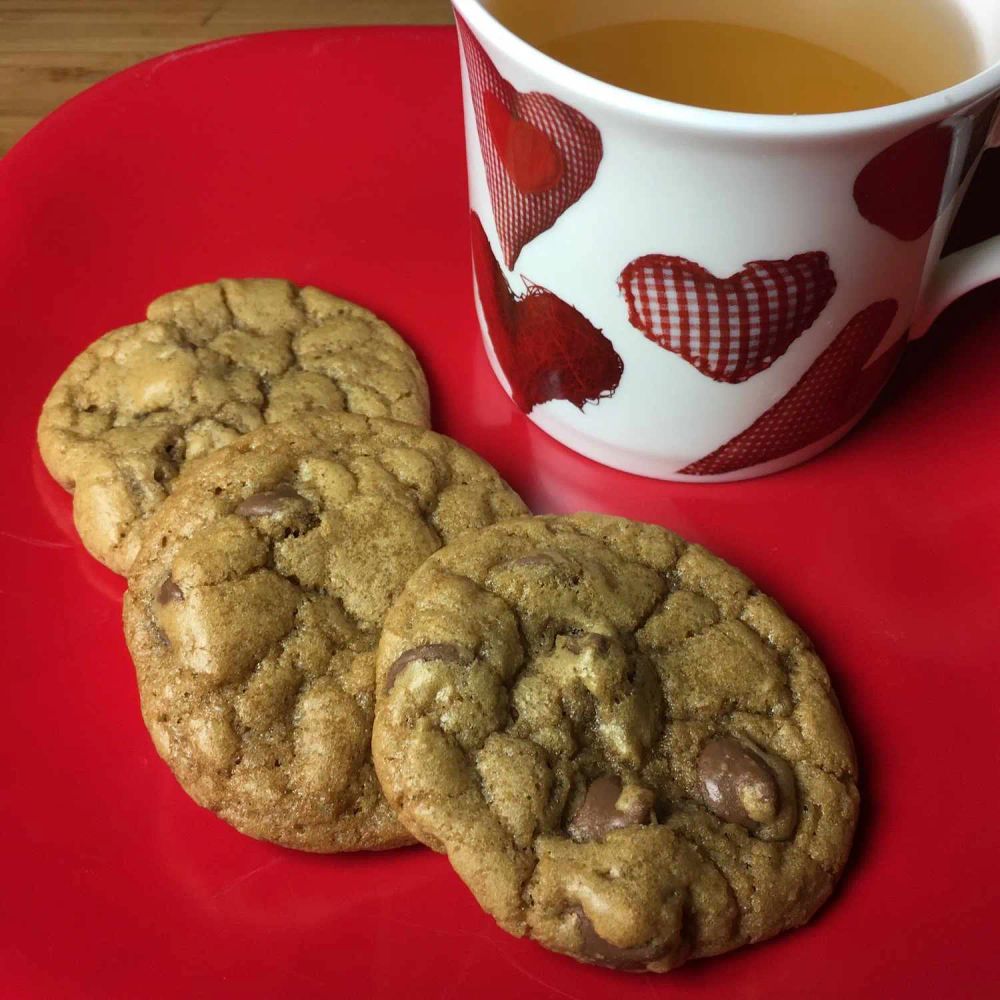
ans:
(597, 948)
(169, 592)
(737, 784)
(444, 651)
(599, 812)
(267, 503)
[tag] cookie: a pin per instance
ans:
(210, 363)
(255, 604)
(627, 751)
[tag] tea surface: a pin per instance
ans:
(795, 61)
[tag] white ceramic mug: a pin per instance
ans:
(701, 295)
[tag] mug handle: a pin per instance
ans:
(959, 273)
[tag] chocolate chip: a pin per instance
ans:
(266, 503)
(597, 948)
(592, 641)
(169, 592)
(446, 652)
(599, 813)
(737, 784)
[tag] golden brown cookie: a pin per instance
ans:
(627, 751)
(210, 363)
(256, 602)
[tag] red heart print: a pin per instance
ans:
(541, 155)
(728, 328)
(901, 190)
(531, 158)
(834, 391)
(546, 348)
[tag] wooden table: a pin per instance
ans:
(51, 49)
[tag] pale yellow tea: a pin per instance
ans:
(763, 56)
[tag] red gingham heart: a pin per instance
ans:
(546, 348)
(834, 391)
(728, 328)
(540, 154)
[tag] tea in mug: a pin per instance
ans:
(762, 56)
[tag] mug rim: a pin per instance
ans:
(780, 126)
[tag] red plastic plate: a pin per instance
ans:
(337, 158)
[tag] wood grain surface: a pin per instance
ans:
(52, 49)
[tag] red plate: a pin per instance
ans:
(337, 158)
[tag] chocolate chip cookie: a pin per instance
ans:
(255, 605)
(627, 751)
(211, 362)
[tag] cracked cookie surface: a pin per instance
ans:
(255, 604)
(627, 751)
(210, 363)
